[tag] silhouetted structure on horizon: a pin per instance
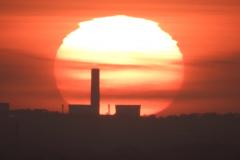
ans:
(128, 111)
(85, 110)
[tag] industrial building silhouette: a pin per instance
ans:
(92, 110)
(128, 110)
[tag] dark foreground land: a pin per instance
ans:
(52, 136)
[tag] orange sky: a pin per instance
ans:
(207, 32)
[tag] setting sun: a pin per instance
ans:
(136, 58)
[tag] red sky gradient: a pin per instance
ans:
(207, 31)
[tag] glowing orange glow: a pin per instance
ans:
(136, 58)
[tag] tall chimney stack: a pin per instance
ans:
(95, 90)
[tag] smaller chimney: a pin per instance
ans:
(109, 109)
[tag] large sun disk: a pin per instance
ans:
(122, 47)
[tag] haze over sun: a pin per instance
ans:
(136, 57)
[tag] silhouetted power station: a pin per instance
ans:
(92, 110)
(128, 111)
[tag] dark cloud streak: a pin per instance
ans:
(24, 76)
